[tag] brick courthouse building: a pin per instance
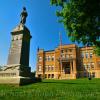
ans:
(67, 62)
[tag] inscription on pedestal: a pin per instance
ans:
(16, 46)
(7, 74)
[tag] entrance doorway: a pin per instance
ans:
(66, 67)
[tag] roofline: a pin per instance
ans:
(85, 47)
(68, 44)
(49, 50)
(64, 45)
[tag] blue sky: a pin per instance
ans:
(41, 21)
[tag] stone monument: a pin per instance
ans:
(17, 70)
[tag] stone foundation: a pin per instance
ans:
(15, 74)
(15, 80)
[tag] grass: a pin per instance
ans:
(80, 89)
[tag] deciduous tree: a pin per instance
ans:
(81, 19)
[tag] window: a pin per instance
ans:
(70, 50)
(91, 55)
(88, 66)
(52, 68)
(86, 55)
(92, 65)
(40, 59)
(49, 58)
(62, 51)
(63, 56)
(48, 75)
(45, 75)
(46, 58)
(39, 75)
(67, 56)
(66, 50)
(93, 74)
(46, 69)
(52, 58)
(49, 67)
(82, 55)
(52, 76)
(71, 56)
(39, 68)
(85, 67)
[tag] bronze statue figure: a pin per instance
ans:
(23, 16)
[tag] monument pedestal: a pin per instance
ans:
(15, 74)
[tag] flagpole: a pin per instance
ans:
(60, 43)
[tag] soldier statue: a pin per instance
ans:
(23, 16)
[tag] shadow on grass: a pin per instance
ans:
(68, 83)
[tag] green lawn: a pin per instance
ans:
(80, 89)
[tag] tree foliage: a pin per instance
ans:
(81, 18)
